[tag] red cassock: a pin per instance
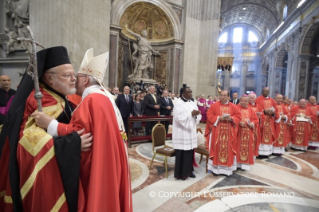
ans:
(223, 145)
(267, 126)
(314, 135)
(257, 136)
(41, 185)
(104, 171)
(282, 137)
(245, 136)
(301, 130)
(289, 128)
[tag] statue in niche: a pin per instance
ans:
(142, 55)
(18, 11)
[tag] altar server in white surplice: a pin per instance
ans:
(186, 117)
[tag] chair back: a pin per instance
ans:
(199, 130)
(158, 135)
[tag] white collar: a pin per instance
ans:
(90, 89)
(252, 103)
(225, 103)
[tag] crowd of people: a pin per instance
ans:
(239, 130)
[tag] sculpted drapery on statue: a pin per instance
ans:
(142, 55)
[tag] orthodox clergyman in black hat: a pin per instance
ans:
(40, 172)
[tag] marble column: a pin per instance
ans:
(258, 78)
(303, 78)
(201, 45)
(271, 74)
(294, 70)
(243, 77)
(77, 25)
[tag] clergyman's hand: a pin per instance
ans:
(41, 119)
(86, 140)
(195, 112)
(242, 124)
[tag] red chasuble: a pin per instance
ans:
(267, 127)
(41, 185)
(301, 130)
(104, 171)
(245, 136)
(282, 139)
(257, 136)
(222, 148)
(289, 128)
(314, 134)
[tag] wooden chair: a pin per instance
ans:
(158, 139)
(201, 149)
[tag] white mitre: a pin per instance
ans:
(96, 67)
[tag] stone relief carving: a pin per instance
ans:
(302, 79)
(18, 11)
(160, 68)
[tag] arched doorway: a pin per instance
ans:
(164, 34)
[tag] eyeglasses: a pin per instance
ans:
(69, 76)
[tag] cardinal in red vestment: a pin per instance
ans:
(252, 104)
(302, 117)
(288, 106)
(43, 170)
(267, 126)
(221, 135)
(245, 136)
(104, 171)
(281, 128)
(314, 134)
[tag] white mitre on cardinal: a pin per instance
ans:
(96, 67)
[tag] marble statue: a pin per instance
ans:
(142, 55)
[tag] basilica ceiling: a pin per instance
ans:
(260, 14)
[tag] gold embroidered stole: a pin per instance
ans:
(300, 129)
(244, 136)
(281, 137)
(223, 136)
(267, 131)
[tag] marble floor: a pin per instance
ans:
(287, 183)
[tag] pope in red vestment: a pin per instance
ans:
(301, 129)
(314, 134)
(267, 126)
(221, 135)
(245, 136)
(252, 104)
(281, 127)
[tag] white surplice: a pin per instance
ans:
(184, 125)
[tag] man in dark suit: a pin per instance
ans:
(166, 105)
(125, 104)
(115, 91)
(152, 107)
(235, 99)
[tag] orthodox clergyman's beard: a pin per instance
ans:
(58, 85)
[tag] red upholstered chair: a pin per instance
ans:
(158, 139)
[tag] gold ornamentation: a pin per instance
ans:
(59, 203)
(8, 199)
(41, 163)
